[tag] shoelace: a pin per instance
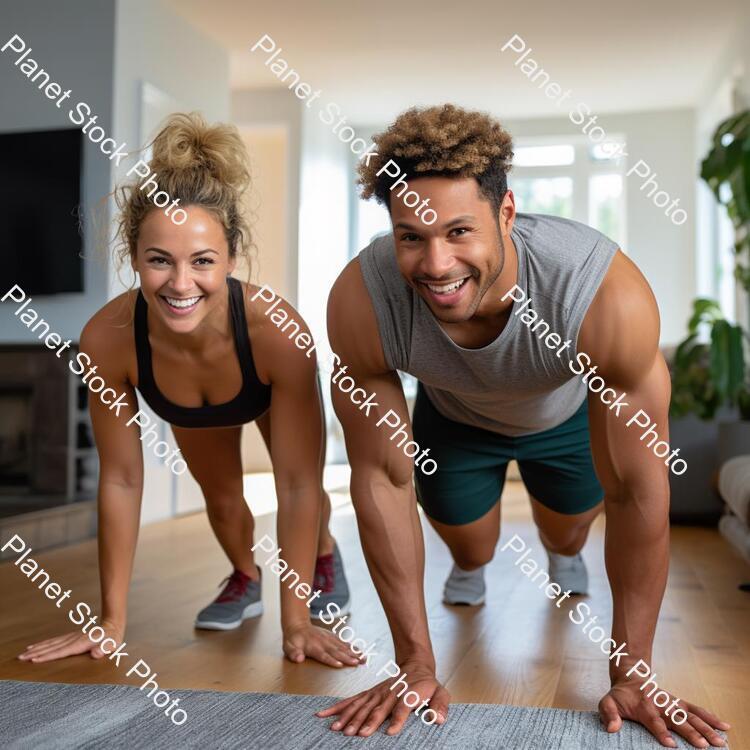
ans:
(235, 588)
(325, 576)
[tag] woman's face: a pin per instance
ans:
(183, 269)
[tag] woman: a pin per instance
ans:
(207, 360)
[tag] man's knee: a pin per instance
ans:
(474, 557)
(567, 541)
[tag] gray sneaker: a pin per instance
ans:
(330, 579)
(465, 587)
(239, 600)
(569, 572)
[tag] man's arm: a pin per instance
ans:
(386, 508)
(621, 335)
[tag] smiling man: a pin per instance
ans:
(441, 302)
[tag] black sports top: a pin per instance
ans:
(253, 399)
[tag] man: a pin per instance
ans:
(441, 299)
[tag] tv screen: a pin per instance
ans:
(39, 197)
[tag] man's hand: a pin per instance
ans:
(626, 701)
(73, 644)
(363, 713)
(306, 639)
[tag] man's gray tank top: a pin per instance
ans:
(515, 385)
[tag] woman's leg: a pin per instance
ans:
(213, 457)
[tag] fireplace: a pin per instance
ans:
(43, 426)
(15, 439)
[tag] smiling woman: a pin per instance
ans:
(196, 344)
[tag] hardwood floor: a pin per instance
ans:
(519, 648)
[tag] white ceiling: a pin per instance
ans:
(376, 58)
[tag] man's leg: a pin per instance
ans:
(563, 533)
(472, 545)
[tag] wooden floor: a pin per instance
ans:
(517, 649)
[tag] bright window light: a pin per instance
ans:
(543, 156)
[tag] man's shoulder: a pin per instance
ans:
(352, 324)
(562, 239)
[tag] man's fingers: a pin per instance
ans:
(610, 714)
(346, 715)
(361, 715)
(377, 716)
(398, 718)
(701, 729)
(708, 717)
(337, 708)
(439, 704)
(655, 724)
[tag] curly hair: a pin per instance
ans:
(442, 141)
(201, 165)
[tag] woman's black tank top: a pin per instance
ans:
(253, 399)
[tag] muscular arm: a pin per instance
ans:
(621, 335)
(386, 508)
(381, 482)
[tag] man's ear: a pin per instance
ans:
(506, 214)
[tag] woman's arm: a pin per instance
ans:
(119, 492)
(297, 453)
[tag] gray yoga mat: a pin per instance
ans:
(43, 715)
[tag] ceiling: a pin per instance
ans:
(375, 59)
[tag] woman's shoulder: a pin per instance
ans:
(109, 332)
(278, 332)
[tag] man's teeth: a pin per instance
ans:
(182, 302)
(445, 288)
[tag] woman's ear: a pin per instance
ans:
(232, 264)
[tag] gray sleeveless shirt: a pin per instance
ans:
(516, 385)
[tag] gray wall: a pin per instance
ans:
(76, 49)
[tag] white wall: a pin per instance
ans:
(278, 108)
(663, 251)
(59, 38)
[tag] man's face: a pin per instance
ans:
(452, 263)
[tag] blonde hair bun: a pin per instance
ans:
(187, 142)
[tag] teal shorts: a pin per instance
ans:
(555, 465)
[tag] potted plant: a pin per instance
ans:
(709, 371)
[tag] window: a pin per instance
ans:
(572, 179)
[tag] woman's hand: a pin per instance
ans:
(305, 640)
(73, 644)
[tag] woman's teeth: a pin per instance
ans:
(446, 288)
(179, 303)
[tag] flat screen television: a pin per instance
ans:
(40, 193)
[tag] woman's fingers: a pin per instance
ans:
(45, 647)
(44, 644)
